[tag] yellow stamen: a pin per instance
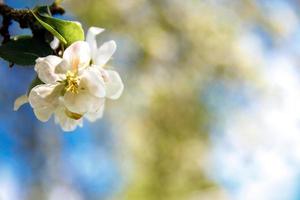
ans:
(72, 82)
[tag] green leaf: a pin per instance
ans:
(66, 31)
(24, 50)
(43, 10)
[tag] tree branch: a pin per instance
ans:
(23, 16)
(4, 29)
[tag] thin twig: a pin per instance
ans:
(23, 16)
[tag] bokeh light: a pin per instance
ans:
(209, 111)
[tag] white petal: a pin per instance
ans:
(82, 102)
(92, 80)
(20, 101)
(44, 100)
(45, 95)
(105, 52)
(43, 114)
(45, 68)
(54, 44)
(78, 54)
(69, 125)
(114, 85)
(66, 123)
(62, 68)
(93, 116)
(91, 39)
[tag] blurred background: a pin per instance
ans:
(210, 110)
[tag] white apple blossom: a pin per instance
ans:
(75, 86)
(100, 56)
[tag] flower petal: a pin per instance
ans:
(105, 52)
(62, 68)
(45, 95)
(92, 80)
(114, 85)
(82, 102)
(91, 39)
(20, 101)
(54, 44)
(93, 116)
(78, 54)
(66, 123)
(43, 114)
(43, 99)
(45, 68)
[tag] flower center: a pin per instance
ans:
(72, 82)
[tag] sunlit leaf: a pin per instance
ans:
(66, 31)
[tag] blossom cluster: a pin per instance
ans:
(75, 85)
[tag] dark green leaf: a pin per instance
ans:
(66, 31)
(24, 50)
(43, 10)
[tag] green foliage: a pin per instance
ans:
(43, 10)
(66, 31)
(24, 50)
